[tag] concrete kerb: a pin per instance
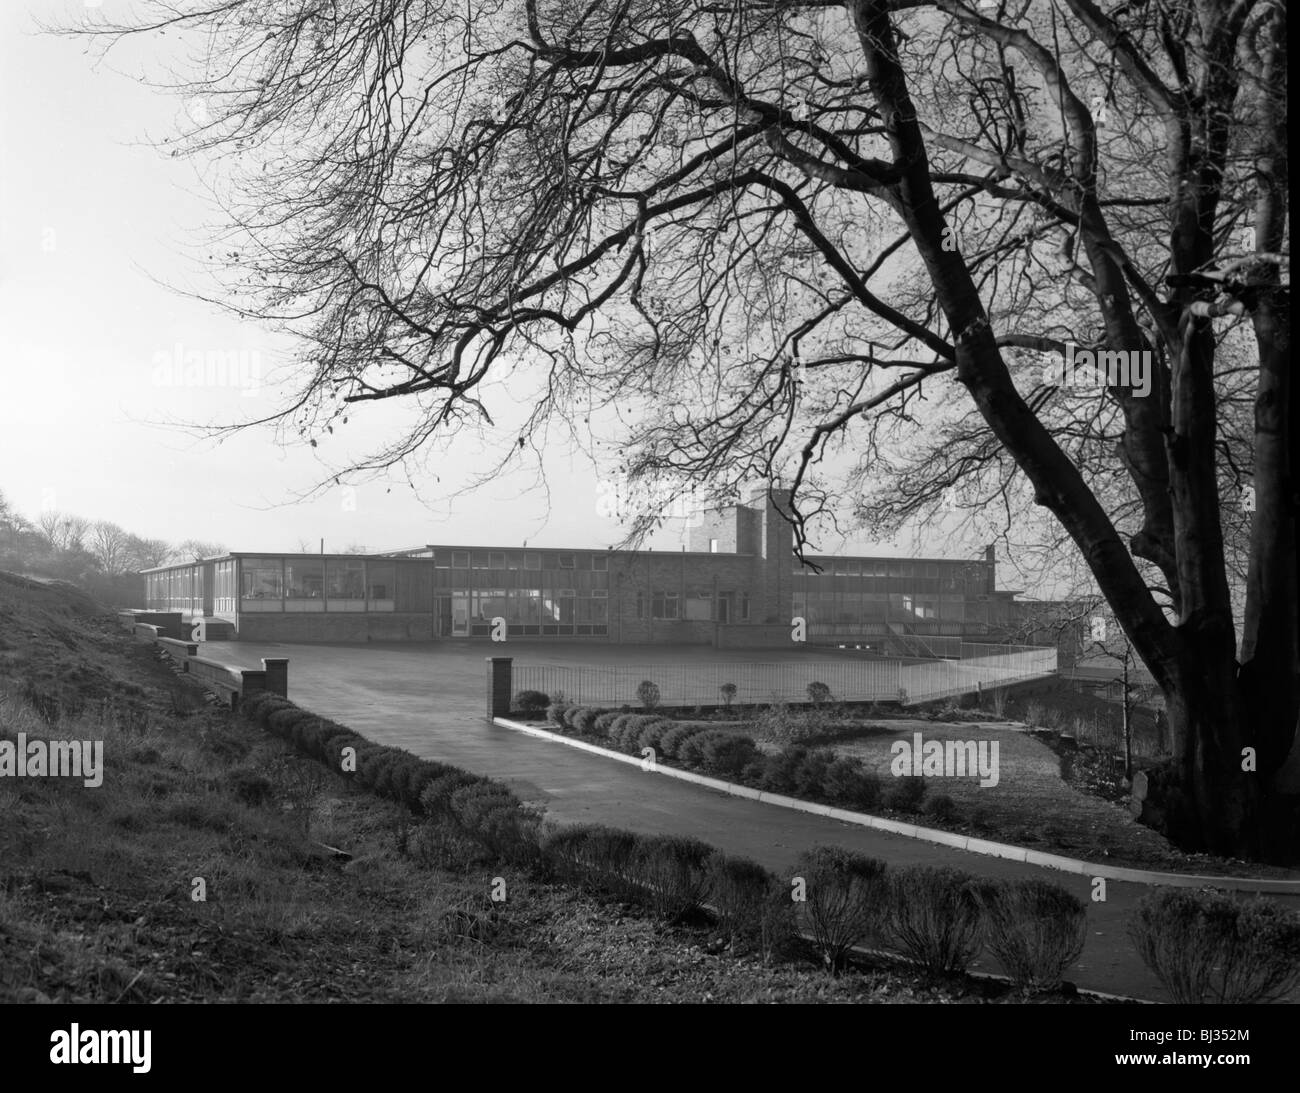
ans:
(943, 838)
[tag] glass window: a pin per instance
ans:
(565, 561)
(263, 579)
(664, 606)
(479, 560)
(460, 559)
(532, 561)
(600, 563)
(304, 580)
(380, 580)
(496, 560)
(345, 584)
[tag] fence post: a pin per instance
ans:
(277, 675)
(498, 696)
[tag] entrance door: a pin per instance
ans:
(460, 616)
(724, 607)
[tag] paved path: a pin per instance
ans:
(431, 699)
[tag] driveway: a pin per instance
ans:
(431, 700)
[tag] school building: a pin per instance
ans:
(737, 585)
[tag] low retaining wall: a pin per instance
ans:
(228, 682)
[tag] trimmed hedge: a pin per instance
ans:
(532, 702)
(1035, 929)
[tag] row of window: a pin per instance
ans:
(894, 567)
(662, 604)
(504, 559)
(317, 579)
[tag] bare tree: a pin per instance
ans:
(195, 550)
(149, 553)
(110, 546)
(759, 234)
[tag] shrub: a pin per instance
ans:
(571, 715)
(738, 888)
(672, 874)
(531, 702)
(493, 816)
(779, 770)
(843, 900)
(592, 855)
(629, 735)
(651, 734)
(647, 693)
(586, 723)
(436, 796)
(604, 722)
(607, 854)
(845, 782)
(982, 818)
(932, 918)
(810, 773)
(728, 691)
(819, 693)
(904, 794)
(555, 713)
(1035, 929)
(249, 786)
(690, 753)
(671, 743)
(940, 807)
(1207, 947)
(564, 847)
(726, 754)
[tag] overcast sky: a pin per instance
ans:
(97, 222)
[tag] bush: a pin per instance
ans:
(586, 722)
(564, 850)
(843, 900)
(690, 753)
(496, 818)
(1035, 929)
(555, 713)
(647, 693)
(631, 732)
(846, 783)
(604, 722)
(249, 786)
(779, 770)
(651, 734)
(738, 888)
(932, 918)
(571, 715)
(1207, 947)
(940, 807)
(670, 744)
(728, 691)
(530, 702)
(607, 854)
(904, 794)
(435, 798)
(672, 872)
(726, 754)
(819, 693)
(810, 773)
